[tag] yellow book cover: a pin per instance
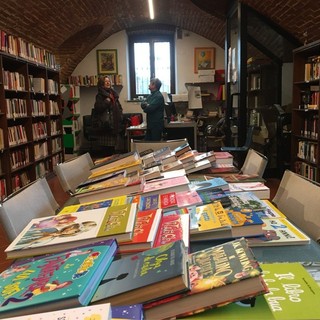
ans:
(94, 205)
(208, 217)
(126, 166)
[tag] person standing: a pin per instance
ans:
(154, 109)
(107, 114)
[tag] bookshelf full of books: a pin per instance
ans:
(71, 117)
(305, 112)
(30, 113)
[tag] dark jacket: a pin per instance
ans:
(107, 108)
(154, 108)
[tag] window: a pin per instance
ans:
(151, 55)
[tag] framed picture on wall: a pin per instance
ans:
(107, 61)
(204, 59)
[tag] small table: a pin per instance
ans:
(130, 133)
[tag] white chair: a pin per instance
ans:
(71, 173)
(254, 163)
(141, 145)
(298, 198)
(33, 201)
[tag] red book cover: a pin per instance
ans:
(168, 200)
(173, 227)
(145, 230)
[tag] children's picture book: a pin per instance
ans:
(174, 226)
(293, 293)
(212, 184)
(129, 167)
(145, 276)
(131, 311)
(145, 231)
(99, 312)
(55, 281)
(279, 232)
(166, 185)
(219, 275)
(123, 186)
(258, 188)
(283, 280)
(115, 161)
(188, 198)
(246, 200)
(94, 205)
(209, 221)
(61, 232)
(209, 196)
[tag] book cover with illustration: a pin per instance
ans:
(94, 205)
(246, 200)
(174, 226)
(131, 311)
(208, 196)
(145, 231)
(219, 275)
(51, 282)
(54, 233)
(175, 184)
(145, 276)
(212, 184)
(98, 312)
(279, 232)
(188, 198)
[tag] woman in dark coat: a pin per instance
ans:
(107, 114)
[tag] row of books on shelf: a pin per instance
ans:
(17, 108)
(92, 80)
(21, 48)
(16, 81)
(306, 170)
(307, 150)
(310, 99)
(311, 68)
(310, 127)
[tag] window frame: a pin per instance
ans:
(151, 38)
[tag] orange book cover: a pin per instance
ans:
(144, 233)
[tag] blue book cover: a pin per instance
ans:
(149, 202)
(211, 184)
(51, 282)
(131, 311)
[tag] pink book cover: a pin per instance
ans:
(188, 198)
(157, 185)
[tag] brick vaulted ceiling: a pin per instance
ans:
(71, 29)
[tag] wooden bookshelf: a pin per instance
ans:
(305, 111)
(30, 121)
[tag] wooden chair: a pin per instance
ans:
(71, 173)
(298, 198)
(33, 201)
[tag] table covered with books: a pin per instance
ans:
(176, 245)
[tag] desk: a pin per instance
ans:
(130, 134)
(179, 129)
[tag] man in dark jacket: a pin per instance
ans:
(154, 108)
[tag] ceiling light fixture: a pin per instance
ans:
(151, 12)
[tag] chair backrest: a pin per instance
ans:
(298, 198)
(254, 163)
(33, 201)
(71, 173)
(142, 145)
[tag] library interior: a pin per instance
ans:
(240, 88)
